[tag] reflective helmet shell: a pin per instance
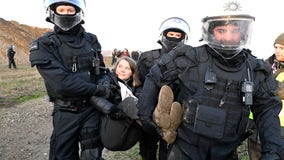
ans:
(79, 3)
(175, 23)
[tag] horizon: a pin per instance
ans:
(135, 23)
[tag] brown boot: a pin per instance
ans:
(161, 115)
(176, 114)
(169, 136)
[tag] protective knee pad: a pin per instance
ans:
(90, 139)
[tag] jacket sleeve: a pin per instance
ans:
(265, 109)
(54, 73)
(148, 98)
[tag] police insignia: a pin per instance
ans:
(232, 6)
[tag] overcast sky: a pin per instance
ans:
(134, 24)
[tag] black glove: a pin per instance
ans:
(167, 62)
(270, 156)
(105, 91)
(103, 105)
(150, 127)
(119, 115)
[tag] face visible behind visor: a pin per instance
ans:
(230, 21)
(241, 24)
(65, 22)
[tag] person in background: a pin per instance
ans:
(114, 56)
(124, 52)
(135, 55)
(174, 31)
(69, 60)
(219, 82)
(276, 61)
(11, 56)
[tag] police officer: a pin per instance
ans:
(68, 59)
(174, 31)
(276, 61)
(11, 57)
(220, 82)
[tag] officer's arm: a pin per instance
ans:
(266, 108)
(146, 105)
(55, 74)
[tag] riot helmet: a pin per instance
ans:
(65, 22)
(174, 24)
(229, 32)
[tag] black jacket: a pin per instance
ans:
(266, 106)
(65, 61)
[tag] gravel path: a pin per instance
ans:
(26, 129)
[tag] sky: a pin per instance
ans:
(134, 24)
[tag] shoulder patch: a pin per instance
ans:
(34, 46)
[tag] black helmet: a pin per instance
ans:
(65, 22)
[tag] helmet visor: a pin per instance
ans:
(66, 22)
(227, 32)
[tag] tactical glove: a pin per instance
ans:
(270, 156)
(119, 115)
(168, 67)
(150, 127)
(105, 91)
(102, 105)
(167, 62)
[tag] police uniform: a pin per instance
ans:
(215, 106)
(254, 146)
(148, 142)
(11, 54)
(146, 61)
(65, 61)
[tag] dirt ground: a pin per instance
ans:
(26, 129)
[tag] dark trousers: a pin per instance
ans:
(150, 144)
(71, 129)
(12, 63)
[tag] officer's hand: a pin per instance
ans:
(168, 67)
(119, 115)
(269, 156)
(167, 62)
(150, 127)
(103, 105)
(105, 91)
